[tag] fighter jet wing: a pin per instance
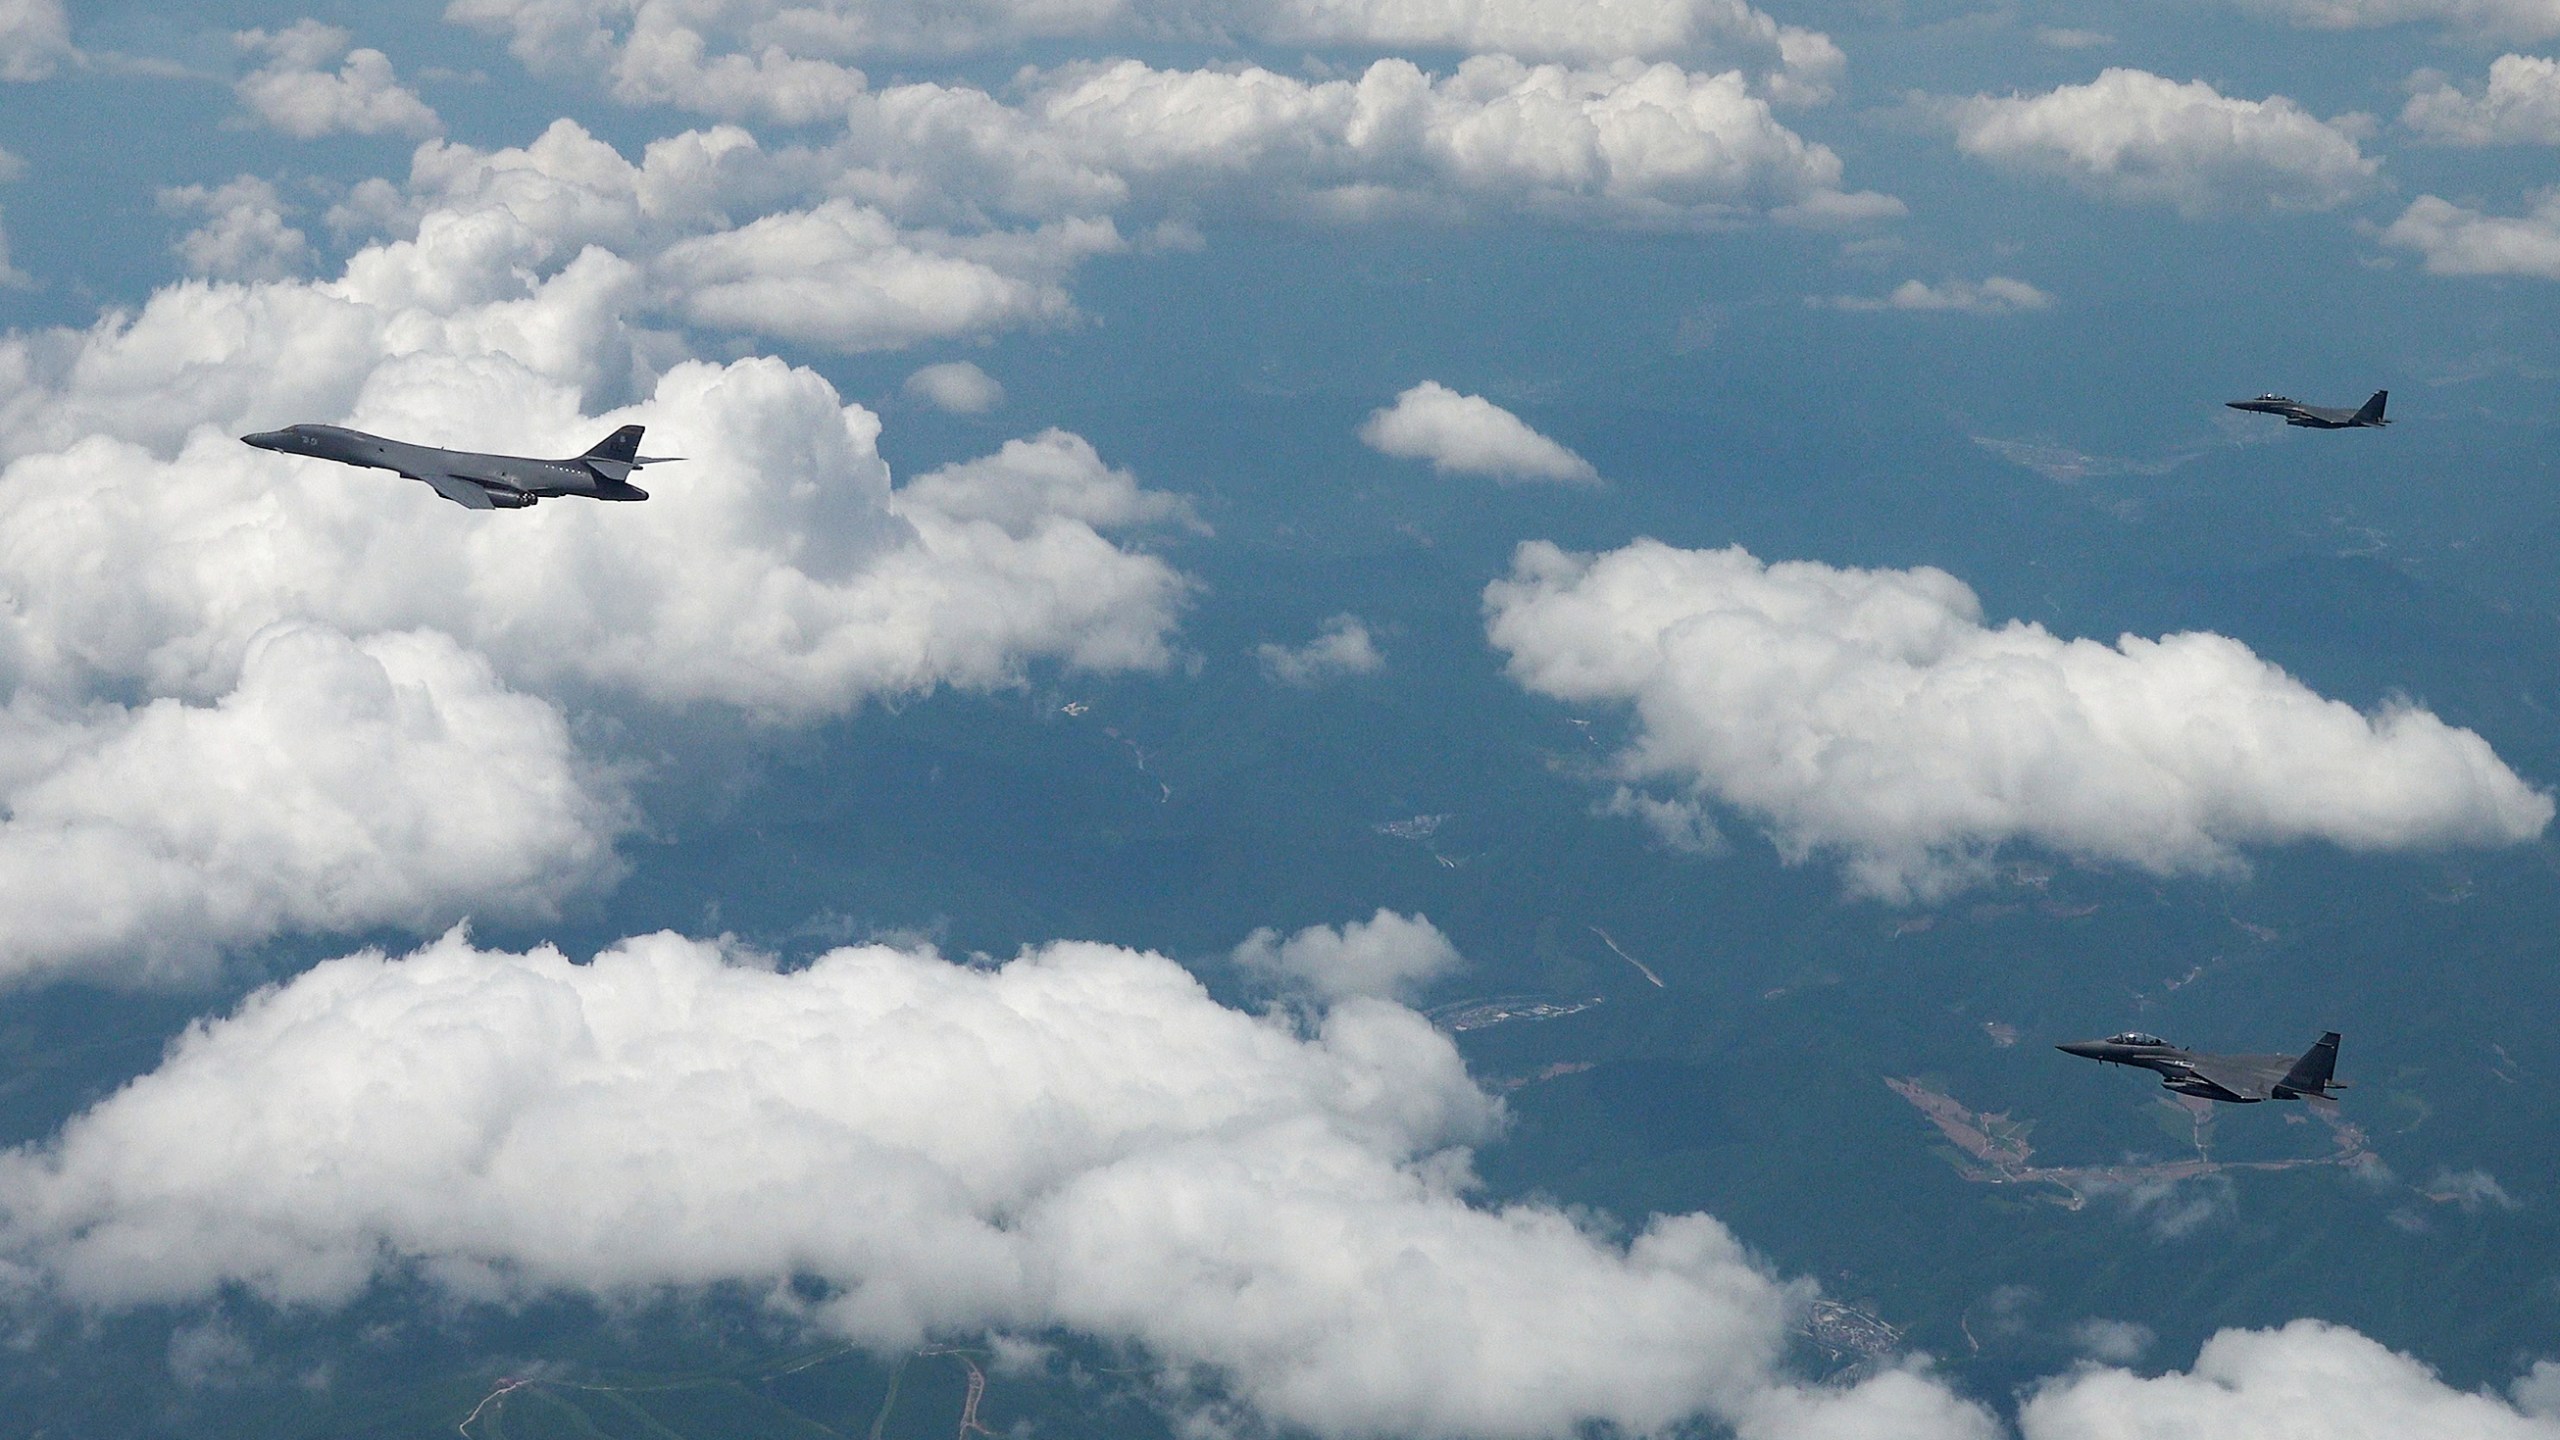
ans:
(466, 493)
(2252, 1077)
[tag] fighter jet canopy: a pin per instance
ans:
(2135, 1037)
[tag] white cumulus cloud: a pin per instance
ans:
(1386, 957)
(1872, 714)
(1079, 1139)
(1997, 295)
(2520, 105)
(2139, 138)
(845, 276)
(2306, 1378)
(245, 235)
(729, 236)
(664, 61)
(295, 91)
(1049, 479)
(1470, 435)
(957, 387)
(2456, 240)
(1342, 647)
(339, 785)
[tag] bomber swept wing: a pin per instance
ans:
(467, 493)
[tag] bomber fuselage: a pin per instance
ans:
(509, 481)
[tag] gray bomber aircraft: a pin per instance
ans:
(473, 480)
(2317, 417)
(2242, 1079)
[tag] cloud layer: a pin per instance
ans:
(1871, 713)
(778, 573)
(1081, 1138)
(1628, 143)
(791, 61)
(1271, 1209)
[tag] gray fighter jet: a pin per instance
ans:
(473, 480)
(2242, 1079)
(2317, 417)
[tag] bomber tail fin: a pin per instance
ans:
(2371, 414)
(617, 455)
(622, 445)
(2311, 1074)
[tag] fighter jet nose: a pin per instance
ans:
(2085, 1049)
(265, 439)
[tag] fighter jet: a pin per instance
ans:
(2317, 417)
(473, 480)
(2241, 1079)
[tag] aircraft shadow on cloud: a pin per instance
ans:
(473, 479)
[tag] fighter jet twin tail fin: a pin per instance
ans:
(2309, 1076)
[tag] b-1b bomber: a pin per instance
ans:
(470, 478)
(2239, 1079)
